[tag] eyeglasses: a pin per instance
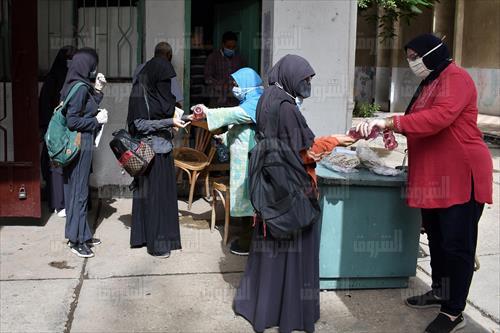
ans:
(412, 57)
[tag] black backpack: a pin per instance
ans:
(280, 188)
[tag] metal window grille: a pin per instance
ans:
(5, 40)
(5, 100)
(112, 27)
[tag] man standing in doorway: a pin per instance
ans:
(218, 69)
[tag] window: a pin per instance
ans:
(4, 40)
(112, 27)
(6, 135)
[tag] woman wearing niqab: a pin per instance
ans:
(48, 101)
(155, 219)
(280, 286)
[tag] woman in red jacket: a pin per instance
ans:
(450, 173)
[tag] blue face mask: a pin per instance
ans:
(93, 74)
(228, 52)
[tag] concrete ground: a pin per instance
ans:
(45, 288)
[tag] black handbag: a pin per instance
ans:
(133, 154)
(222, 152)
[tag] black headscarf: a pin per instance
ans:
(83, 63)
(154, 78)
(293, 129)
(437, 60)
(50, 92)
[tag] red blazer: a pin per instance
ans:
(446, 150)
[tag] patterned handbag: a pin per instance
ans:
(133, 155)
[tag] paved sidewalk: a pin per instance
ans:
(489, 124)
(45, 288)
(484, 295)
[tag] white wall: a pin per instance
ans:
(487, 80)
(106, 170)
(323, 32)
(488, 89)
(165, 22)
(105, 165)
(403, 86)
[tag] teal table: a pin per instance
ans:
(369, 236)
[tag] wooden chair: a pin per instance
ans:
(222, 191)
(194, 161)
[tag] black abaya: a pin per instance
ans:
(49, 99)
(280, 286)
(155, 217)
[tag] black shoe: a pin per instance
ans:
(93, 242)
(162, 256)
(443, 324)
(82, 250)
(236, 249)
(427, 300)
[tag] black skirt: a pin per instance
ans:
(155, 217)
(280, 286)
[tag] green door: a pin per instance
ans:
(243, 18)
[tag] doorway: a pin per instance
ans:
(209, 20)
(19, 136)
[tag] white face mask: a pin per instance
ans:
(298, 99)
(418, 67)
(240, 93)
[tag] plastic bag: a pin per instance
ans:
(390, 140)
(372, 161)
(221, 151)
(353, 133)
(341, 160)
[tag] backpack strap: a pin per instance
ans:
(272, 127)
(145, 93)
(72, 92)
(274, 120)
(273, 123)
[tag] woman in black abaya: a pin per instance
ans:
(49, 99)
(280, 286)
(155, 219)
